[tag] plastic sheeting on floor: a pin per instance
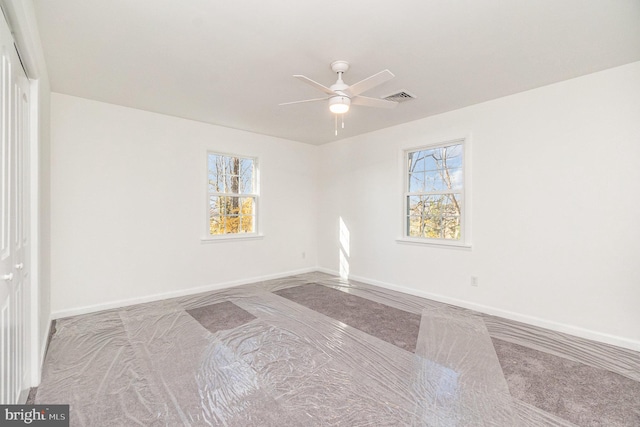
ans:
(278, 363)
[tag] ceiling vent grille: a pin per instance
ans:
(401, 96)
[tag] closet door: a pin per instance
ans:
(14, 210)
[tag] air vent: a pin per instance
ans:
(401, 96)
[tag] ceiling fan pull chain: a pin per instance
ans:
(342, 115)
(336, 127)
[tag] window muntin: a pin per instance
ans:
(232, 194)
(434, 193)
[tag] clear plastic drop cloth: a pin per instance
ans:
(267, 360)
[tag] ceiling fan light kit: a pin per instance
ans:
(339, 104)
(341, 95)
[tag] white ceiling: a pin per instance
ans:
(231, 62)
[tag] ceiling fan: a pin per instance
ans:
(341, 95)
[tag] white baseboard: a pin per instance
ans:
(172, 294)
(24, 395)
(531, 320)
(44, 341)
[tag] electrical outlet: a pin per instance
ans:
(474, 281)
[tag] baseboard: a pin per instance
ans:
(44, 342)
(173, 294)
(24, 395)
(531, 320)
(43, 345)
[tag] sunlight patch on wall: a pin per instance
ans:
(344, 249)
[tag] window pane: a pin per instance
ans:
(229, 165)
(232, 224)
(452, 205)
(214, 183)
(431, 227)
(443, 204)
(415, 205)
(434, 181)
(216, 221)
(453, 161)
(450, 227)
(455, 178)
(442, 180)
(214, 205)
(216, 176)
(217, 206)
(247, 204)
(246, 176)
(435, 158)
(424, 226)
(214, 160)
(434, 205)
(413, 226)
(232, 205)
(415, 162)
(422, 160)
(431, 160)
(453, 151)
(232, 184)
(416, 182)
(216, 224)
(246, 224)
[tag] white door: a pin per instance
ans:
(14, 277)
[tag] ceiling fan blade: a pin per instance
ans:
(372, 102)
(305, 100)
(369, 83)
(315, 84)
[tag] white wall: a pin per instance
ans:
(556, 207)
(128, 206)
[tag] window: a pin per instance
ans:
(434, 193)
(232, 195)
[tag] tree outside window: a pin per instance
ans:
(434, 192)
(232, 194)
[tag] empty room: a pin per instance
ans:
(305, 213)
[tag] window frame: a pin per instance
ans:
(255, 194)
(465, 213)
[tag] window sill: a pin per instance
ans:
(434, 243)
(231, 238)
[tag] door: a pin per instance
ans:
(14, 277)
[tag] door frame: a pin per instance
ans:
(20, 16)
